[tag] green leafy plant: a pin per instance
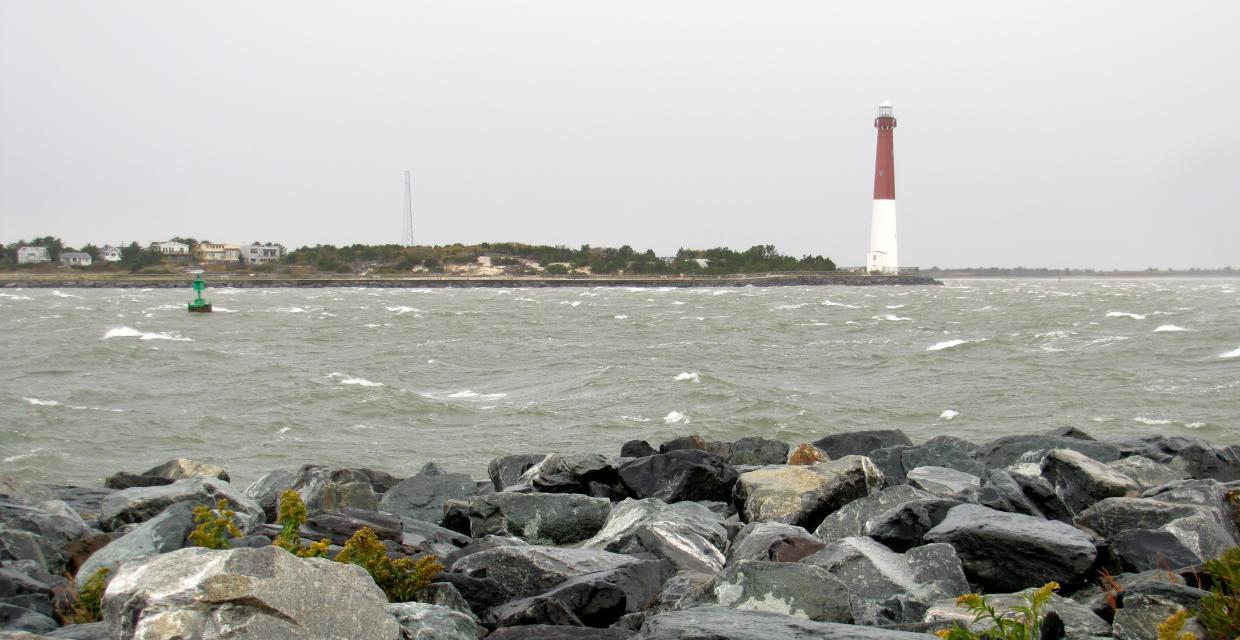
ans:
(1220, 610)
(1173, 627)
(291, 516)
(1024, 623)
(215, 526)
(399, 579)
(86, 605)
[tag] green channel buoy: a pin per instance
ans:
(199, 305)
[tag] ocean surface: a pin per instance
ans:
(98, 381)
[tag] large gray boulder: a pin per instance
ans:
(802, 591)
(540, 518)
(54, 520)
(1195, 511)
(943, 482)
(267, 489)
(419, 621)
(16, 544)
(804, 495)
(595, 599)
(1145, 606)
(1081, 481)
(164, 533)
(325, 489)
(422, 496)
(520, 571)
(143, 503)
(675, 476)
(861, 443)
(184, 468)
(1008, 551)
(941, 453)
(688, 534)
(726, 623)
(1145, 472)
(506, 471)
(772, 542)
(1001, 452)
(758, 451)
(887, 587)
(245, 594)
(855, 518)
(905, 525)
(1113, 516)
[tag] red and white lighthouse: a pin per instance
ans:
(882, 255)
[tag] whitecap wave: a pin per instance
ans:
(14, 297)
(22, 456)
(1151, 421)
(1169, 327)
(1231, 354)
(65, 295)
(345, 378)
(895, 306)
(401, 309)
(289, 310)
(42, 403)
(891, 317)
(130, 332)
(220, 310)
(948, 414)
(574, 303)
(635, 418)
(789, 307)
(689, 375)
(1125, 314)
(946, 344)
(675, 416)
(474, 395)
(620, 316)
(829, 303)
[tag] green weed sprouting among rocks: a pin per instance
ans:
(291, 516)
(87, 605)
(1220, 610)
(1170, 629)
(215, 526)
(1026, 625)
(399, 579)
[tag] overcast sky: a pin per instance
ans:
(1078, 134)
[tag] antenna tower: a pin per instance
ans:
(407, 240)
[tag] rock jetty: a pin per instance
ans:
(860, 535)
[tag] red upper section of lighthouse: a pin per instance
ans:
(884, 159)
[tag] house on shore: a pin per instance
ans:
(261, 253)
(171, 249)
(216, 252)
(75, 259)
(110, 253)
(33, 255)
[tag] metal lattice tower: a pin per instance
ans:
(407, 239)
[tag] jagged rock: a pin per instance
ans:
(506, 471)
(1203, 534)
(688, 534)
(587, 473)
(54, 520)
(593, 600)
(1112, 516)
(90, 631)
(245, 594)
(941, 453)
(126, 480)
(758, 451)
(904, 526)
(938, 564)
(1099, 597)
(32, 601)
(380, 481)
(882, 584)
(686, 474)
(549, 632)
(1144, 606)
(806, 454)
(1068, 431)
(267, 489)
(422, 496)
(726, 623)
(800, 590)
(637, 449)
(525, 571)
(164, 533)
(1193, 510)
(861, 443)
(854, 518)
(86, 501)
(1001, 492)
(943, 482)
(1008, 551)
(772, 542)
(456, 516)
(1081, 481)
(444, 594)
(692, 441)
(184, 468)
(482, 544)
(15, 580)
(421, 621)
(16, 544)
(1139, 550)
(804, 495)
(545, 518)
(1193, 457)
(480, 593)
(16, 618)
(325, 489)
(1006, 450)
(339, 526)
(425, 535)
(1040, 493)
(1145, 472)
(1078, 621)
(141, 504)
(890, 460)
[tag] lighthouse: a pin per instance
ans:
(882, 255)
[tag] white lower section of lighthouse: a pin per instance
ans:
(882, 255)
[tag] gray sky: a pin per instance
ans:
(1080, 134)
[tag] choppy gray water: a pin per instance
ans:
(98, 381)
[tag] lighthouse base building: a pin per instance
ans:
(882, 257)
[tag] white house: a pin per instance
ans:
(110, 253)
(216, 252)
(261, 253)
(75, 259)
(171, 248)
(31, 255)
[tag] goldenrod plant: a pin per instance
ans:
(291, 516)
(399, 579)
(215, 526)
(87, 603)
(1024, 623)
(1173, 627)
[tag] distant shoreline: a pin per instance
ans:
(117, 281)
